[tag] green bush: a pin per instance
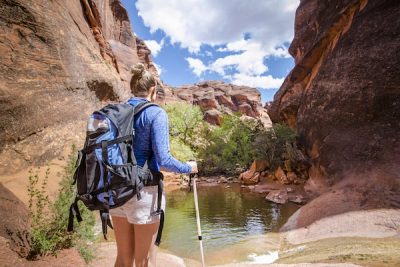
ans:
(185, 123)
(181, 151)
(276, 144)
(49, 219)
(230, 147)
(185, 127)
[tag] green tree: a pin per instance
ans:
(276, 144)
(185, 127)
(185, 121)
(230, 147)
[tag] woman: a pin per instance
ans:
(135, 229)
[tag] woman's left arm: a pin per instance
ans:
(160, 145)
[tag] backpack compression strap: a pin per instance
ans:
(73, 212)
(159, 176)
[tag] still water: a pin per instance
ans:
(228, 216)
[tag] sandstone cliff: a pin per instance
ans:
(216, 98)
(343, 97)
(59, 60)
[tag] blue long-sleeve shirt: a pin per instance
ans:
(152, 140)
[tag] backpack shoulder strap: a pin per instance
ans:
(142, 106)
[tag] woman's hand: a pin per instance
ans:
(193, 164)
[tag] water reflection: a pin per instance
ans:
(228, 215)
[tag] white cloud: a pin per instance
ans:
(248, 31)
(250, 61)
(196, 65)
(154, 46)
(244, 68)
(195, 22)
(265, 82)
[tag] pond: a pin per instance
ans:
(228, 216)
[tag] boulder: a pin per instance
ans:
(259, 165)
(281, 176)
(223, 180)
(277, 196)
(292, 177)
(213, 117)
(250, 177)
(297, 198)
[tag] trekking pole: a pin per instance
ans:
(196, 204)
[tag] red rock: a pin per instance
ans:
(226, 98)
(259, 165)
(281, 176)
(343, 99)
(249, 177)
(206, 103)
(343, 95)
(223, 100)
(213, 117)
(277, 196)
(64, 58)
(291, 176)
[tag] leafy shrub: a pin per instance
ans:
(181, 151)
(276, 144)
(50, 218)
(185, 127)
(185, 121)
(230, 147)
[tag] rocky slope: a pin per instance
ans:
(343, 97)
(59, 60)
(216, 98)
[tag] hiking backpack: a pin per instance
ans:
(107, 174)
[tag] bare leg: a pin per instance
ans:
(145, 235)
(125, 237)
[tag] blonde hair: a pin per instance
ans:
(142, 80)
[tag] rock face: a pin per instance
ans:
(343, 95)
(59, 60)
(14, 223)
(217, 97)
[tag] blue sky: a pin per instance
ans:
(240, 42)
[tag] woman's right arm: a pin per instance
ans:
(160, 145)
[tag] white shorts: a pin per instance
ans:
(139, 211)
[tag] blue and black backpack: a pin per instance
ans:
(107, 173)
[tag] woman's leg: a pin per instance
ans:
(125, 237)
(145, 235)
